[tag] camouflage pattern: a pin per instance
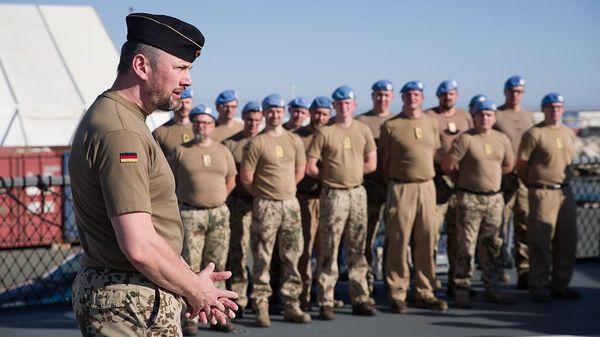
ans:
(271, 220)
(516, 208)
(109, 303)
(376, 198)
(309, 210)
(343, 217)
(205, 238)
(479, 221)
(239, 245)
(446, 213)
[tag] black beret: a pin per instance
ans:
(167, 33)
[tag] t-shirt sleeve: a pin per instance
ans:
(527, 146)
(122, 166)
(250, 157)
(231, 170)
(459, 148)
(316, 145)
(300, 153)
(370, 146)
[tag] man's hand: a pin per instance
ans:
(208, 302)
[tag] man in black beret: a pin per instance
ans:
(132, 278)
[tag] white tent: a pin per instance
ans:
(54, 61)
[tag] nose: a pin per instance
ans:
(186, 80)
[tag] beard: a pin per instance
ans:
(160, 101)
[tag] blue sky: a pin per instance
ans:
(260, 47)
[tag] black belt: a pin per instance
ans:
(315, 193)
(194, 207)
(477, 192)
(547, 186)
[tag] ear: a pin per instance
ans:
(141, 66)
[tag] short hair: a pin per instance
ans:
(130, 49)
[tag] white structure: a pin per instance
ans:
(54, 61)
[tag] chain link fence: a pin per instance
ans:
(39, 248)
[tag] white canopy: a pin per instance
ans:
(54, 61)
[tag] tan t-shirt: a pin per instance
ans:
(200, 173)
(549, 152)
(307, 184)
(274, 161)
(374, 123)
(451, 127)
(513, 124)
(342, 153)
(236, 144)
(116, 167)
(169, 135)
(410, 144)
(222, 132)
(480, 158)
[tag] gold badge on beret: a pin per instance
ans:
(347, 143)
(559, 143)
(418, 133)
(197, 53)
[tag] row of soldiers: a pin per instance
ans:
(323, 184)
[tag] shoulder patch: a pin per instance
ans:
(128, 157)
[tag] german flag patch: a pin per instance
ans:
(128, 157)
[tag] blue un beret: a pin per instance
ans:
(475, 99)
(483, 105)
(321, 102)
(383, 85)
(251, 106)
(342, 93)
(226, 96)
(166, 33)
(514, 81)
(187, 93)
(273, 100)
(552, 97)
(299, 102)
(412, 85)
(446, 86)
(202, 110)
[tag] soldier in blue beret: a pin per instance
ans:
(474, 100)
(514, 120)
(382, 96)
(544, 164)
(226, 104)
(452, 121)
(346, 151)
(124, 196)
(177, 130)
(298, 109)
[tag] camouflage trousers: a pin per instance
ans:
(116, 304)
(276, 220)
(411, 216)
(239, 245)
(309, 209)
(343, 217)
(479, 221)
(516, 208)
(552, 234)
(446, 213)
(376, 198)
